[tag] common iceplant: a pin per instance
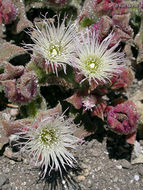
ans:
(83, 66)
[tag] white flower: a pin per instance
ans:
(95, 60)
(49, 141)
(54, 44)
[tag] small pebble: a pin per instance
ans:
(136, 177)
(12, 162)
(126, 164)
(119, 167)
(80, 178)
(8, 152)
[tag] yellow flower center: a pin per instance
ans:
(91, 63)
(54, 51)
(48, 137)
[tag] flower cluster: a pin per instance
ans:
(63, 46)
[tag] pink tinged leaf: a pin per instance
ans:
(120, 26)
(123, 22)
(84, 14)
(27, 85)
(81, 132)
(87, 10)
(94, 85)
(54, 80)
(55, 110)
(11, 72)
(75, 100)
(12, 127)
(99, 110)
(23, 22)
(131, 138)
(106, 23)
(10, 88)
(107, 5)
(119, 35)
(108, 108)
(23, 89)
(122, 80)
(110, 7)
(46, 114)
(78, 77)
(8, 51)
(123, 118)
(101, 90)
(102, 27)
(139, 43)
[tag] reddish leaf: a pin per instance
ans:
(99, 110)
(75, 100)
(8, 51)
(131, 138)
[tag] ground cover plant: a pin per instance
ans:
(66, 65)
